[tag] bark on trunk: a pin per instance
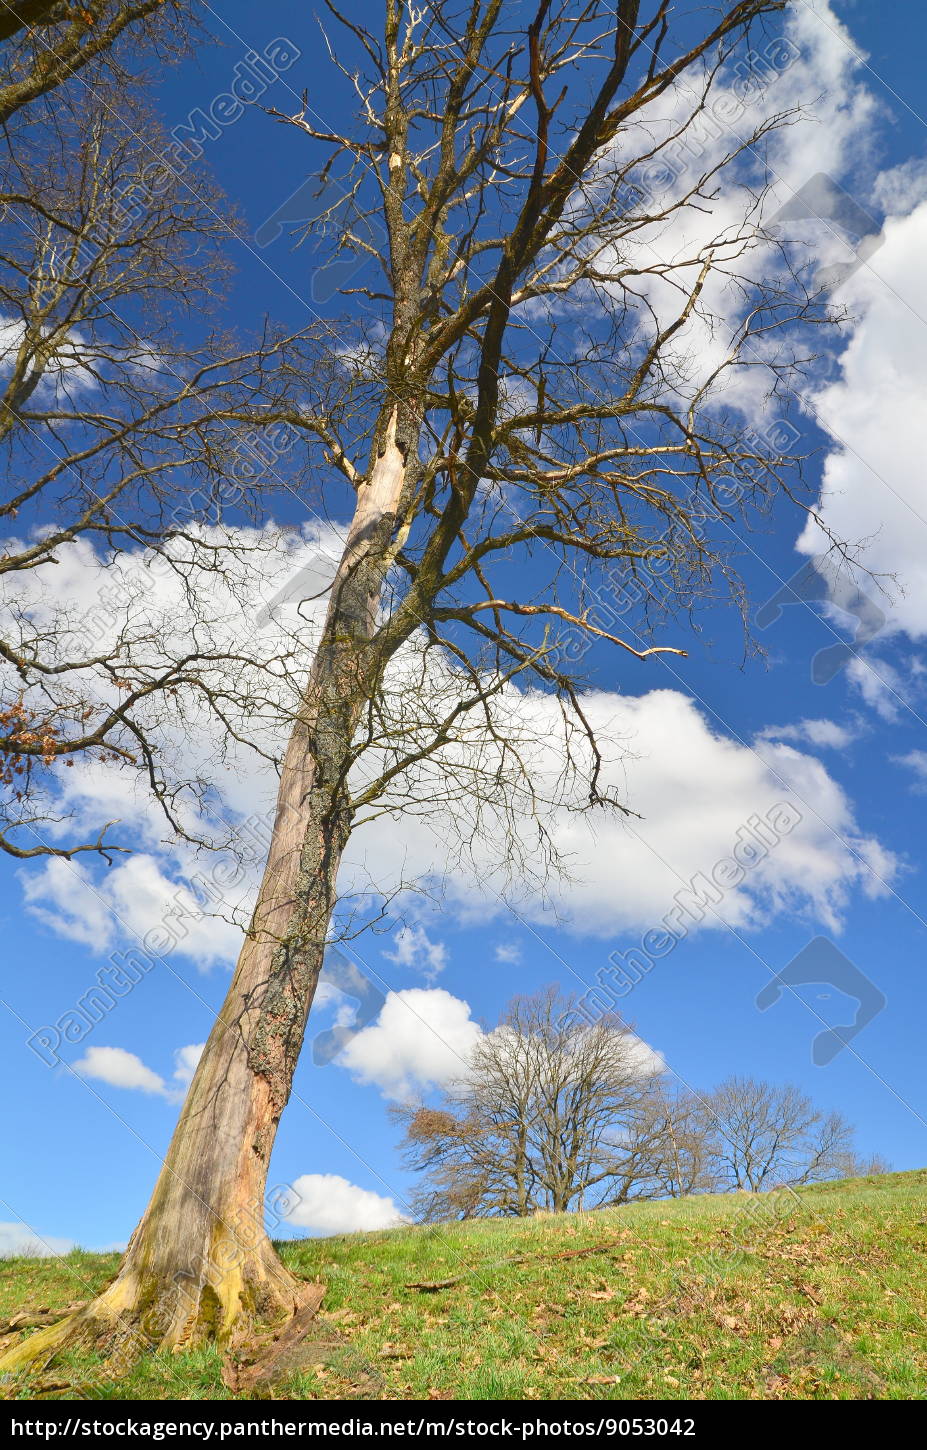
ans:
(200, 1259)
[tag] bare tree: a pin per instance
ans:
(45, 42)
(852, 1165)
(760, 1136)
(532, 393)
(682, 1160)
(127, 423)
(548, 1114)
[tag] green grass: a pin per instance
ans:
(822, 1295)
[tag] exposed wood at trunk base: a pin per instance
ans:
(141, 1313)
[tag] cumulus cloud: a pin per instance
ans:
(871, 404)
(119, 1068)
(419, 1042)
(140, 902)
(423, 1039)
(812, 76)
(693, 786)
(872, 492)
(187, 1059)
(869, 244)
(62, 895)
(695, 790)
(329, 1204)
(122, 1069)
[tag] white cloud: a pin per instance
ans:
(329, 1204)
(122, 1069)
(881, 686)
(508, 953)
(915, 760)
(816, 81)
(62, 895)
(825, 733)
(414, 948)
(872, 498)
(187, 1059)
(695, 790)
(872, 494)
(19, 1241)
(138, 902)
(419, 1042)
(423, 1039)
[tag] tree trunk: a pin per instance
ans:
(200, 1260)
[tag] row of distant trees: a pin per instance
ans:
(551, 1113)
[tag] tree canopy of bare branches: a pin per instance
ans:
(549, 1114)
(760, 1135)
(129, 421)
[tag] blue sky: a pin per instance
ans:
(720, 740)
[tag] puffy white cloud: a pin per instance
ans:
(122, 1069)
(695, 790)
(62, 895)
(187, 1059)
(868, 240)
(140, 903)
(873, 493)
(420, 1041)
(813, 78)
(329, 1204)
(17, 1240)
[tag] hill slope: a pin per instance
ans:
(815, 1295)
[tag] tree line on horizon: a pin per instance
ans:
(549, 1113)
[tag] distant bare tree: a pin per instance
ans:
(682, 1160)
(549, 1114)
(874, 1166)
(760, 1135)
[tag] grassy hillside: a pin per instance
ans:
(819, 1295)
